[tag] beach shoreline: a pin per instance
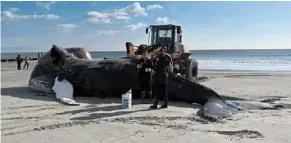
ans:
(29, 117)
(10, 64)
(243, 59)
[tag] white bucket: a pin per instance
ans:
(126, 100)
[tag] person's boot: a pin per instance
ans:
(165, 105)
(143, 93)
(150, 97)
(155, 105)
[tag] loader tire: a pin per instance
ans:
(191, 70)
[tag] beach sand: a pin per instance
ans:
(27, 117)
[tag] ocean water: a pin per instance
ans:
(258, 60)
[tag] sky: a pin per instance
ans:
(106, 26)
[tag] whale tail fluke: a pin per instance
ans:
(216, 108)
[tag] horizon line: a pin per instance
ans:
(125, 50)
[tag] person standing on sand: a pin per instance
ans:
(19, 61)
(160, 79)
(145, 68)
(26, 63)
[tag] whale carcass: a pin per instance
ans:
(115, 77)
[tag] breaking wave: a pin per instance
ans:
(253, 65)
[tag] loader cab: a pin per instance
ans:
(170, 35)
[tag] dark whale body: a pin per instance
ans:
(116, 77)
(44, 73)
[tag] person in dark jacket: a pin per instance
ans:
(19, 61)
(145, 68)
(160, 79)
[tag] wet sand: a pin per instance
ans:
(28, 117)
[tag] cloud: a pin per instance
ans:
(108, 32)
(119, 14)
(13, 9)
(163, 20)
(98, 17)
(10, 15)
(45, 5)
(134, 27)
(155, 6)
(135, 8)
(64, 28)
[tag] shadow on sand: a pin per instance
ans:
(94, 116)
(111, 110)
(89, 110)
(24, 93)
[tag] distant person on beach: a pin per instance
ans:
(26, 63)
(145, 68)
(160, 79)
(19, 61)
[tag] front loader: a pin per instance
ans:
(169, 37)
